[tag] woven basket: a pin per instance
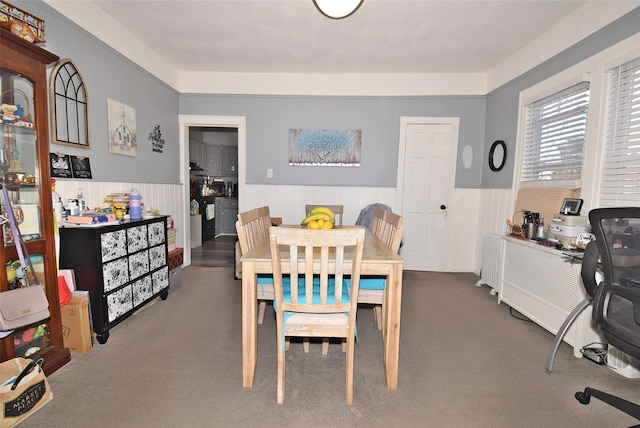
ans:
(26, 106)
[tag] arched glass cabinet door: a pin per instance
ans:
(19, 178)
(18, 156)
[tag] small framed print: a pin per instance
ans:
(80, 167)
(571, 206)
(60, 165)
(123, 138)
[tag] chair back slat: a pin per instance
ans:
(252, 227)
(388, 227)
(322, 258)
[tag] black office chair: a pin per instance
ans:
(616, 304)
(588, 274)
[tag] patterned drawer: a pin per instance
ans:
(119, 303)
(160, 279)
(138, 264)
(115, 274)
(142, 290)
(137, 238)
(157, 233)
(113, 245)
(157, 257)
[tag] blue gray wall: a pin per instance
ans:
(269, 119)
(502, 103)
(108, 75)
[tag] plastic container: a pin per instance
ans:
(57, 202)
(195, 208)
(72, 207)
(135, 205)
(540, 230)
(82, 206)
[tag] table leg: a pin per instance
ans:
(249, 324)
(391, 333)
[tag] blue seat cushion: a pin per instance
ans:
(286, 295)
(369, 282)
(286, 289)
(265, 278)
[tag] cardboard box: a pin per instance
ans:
(76, 331)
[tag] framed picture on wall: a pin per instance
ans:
(123, 138)
(80, 167)
(325, 147)
(60, 165)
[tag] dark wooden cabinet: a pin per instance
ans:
(123, 266)
(25, 141)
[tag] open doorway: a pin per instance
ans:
(225, 184)
(213, 175)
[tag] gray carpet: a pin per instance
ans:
(465, 361)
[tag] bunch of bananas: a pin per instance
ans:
(319, 218)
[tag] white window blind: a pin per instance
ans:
(620, 182)
(555, 134)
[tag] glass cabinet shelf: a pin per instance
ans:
(18, 173)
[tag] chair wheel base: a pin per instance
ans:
(582, 397)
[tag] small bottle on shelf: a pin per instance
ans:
(540, 231)
(135, 205)
(57, 202)
(82, 207)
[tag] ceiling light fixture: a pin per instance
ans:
(337, 9)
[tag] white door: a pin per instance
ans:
(427, 176)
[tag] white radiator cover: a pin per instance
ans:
(545, 286)
(492, 257)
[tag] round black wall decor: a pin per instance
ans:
(497, 158)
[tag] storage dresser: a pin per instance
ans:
(123, 266)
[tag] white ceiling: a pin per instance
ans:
(383, 36)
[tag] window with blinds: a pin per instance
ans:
(620, 181)
(555, 135)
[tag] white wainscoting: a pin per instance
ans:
(471, 212)
(288, 202)
(167, 198)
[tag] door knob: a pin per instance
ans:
(443, 207)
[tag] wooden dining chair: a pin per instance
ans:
(252, 227)
(311, 297)
(337, 210)
(387, 227)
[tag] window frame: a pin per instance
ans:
(609, 178)
(67, 89)
(553, 105)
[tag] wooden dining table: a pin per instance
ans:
(378, 259)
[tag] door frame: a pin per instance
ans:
(187, 121)
(405, 121)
